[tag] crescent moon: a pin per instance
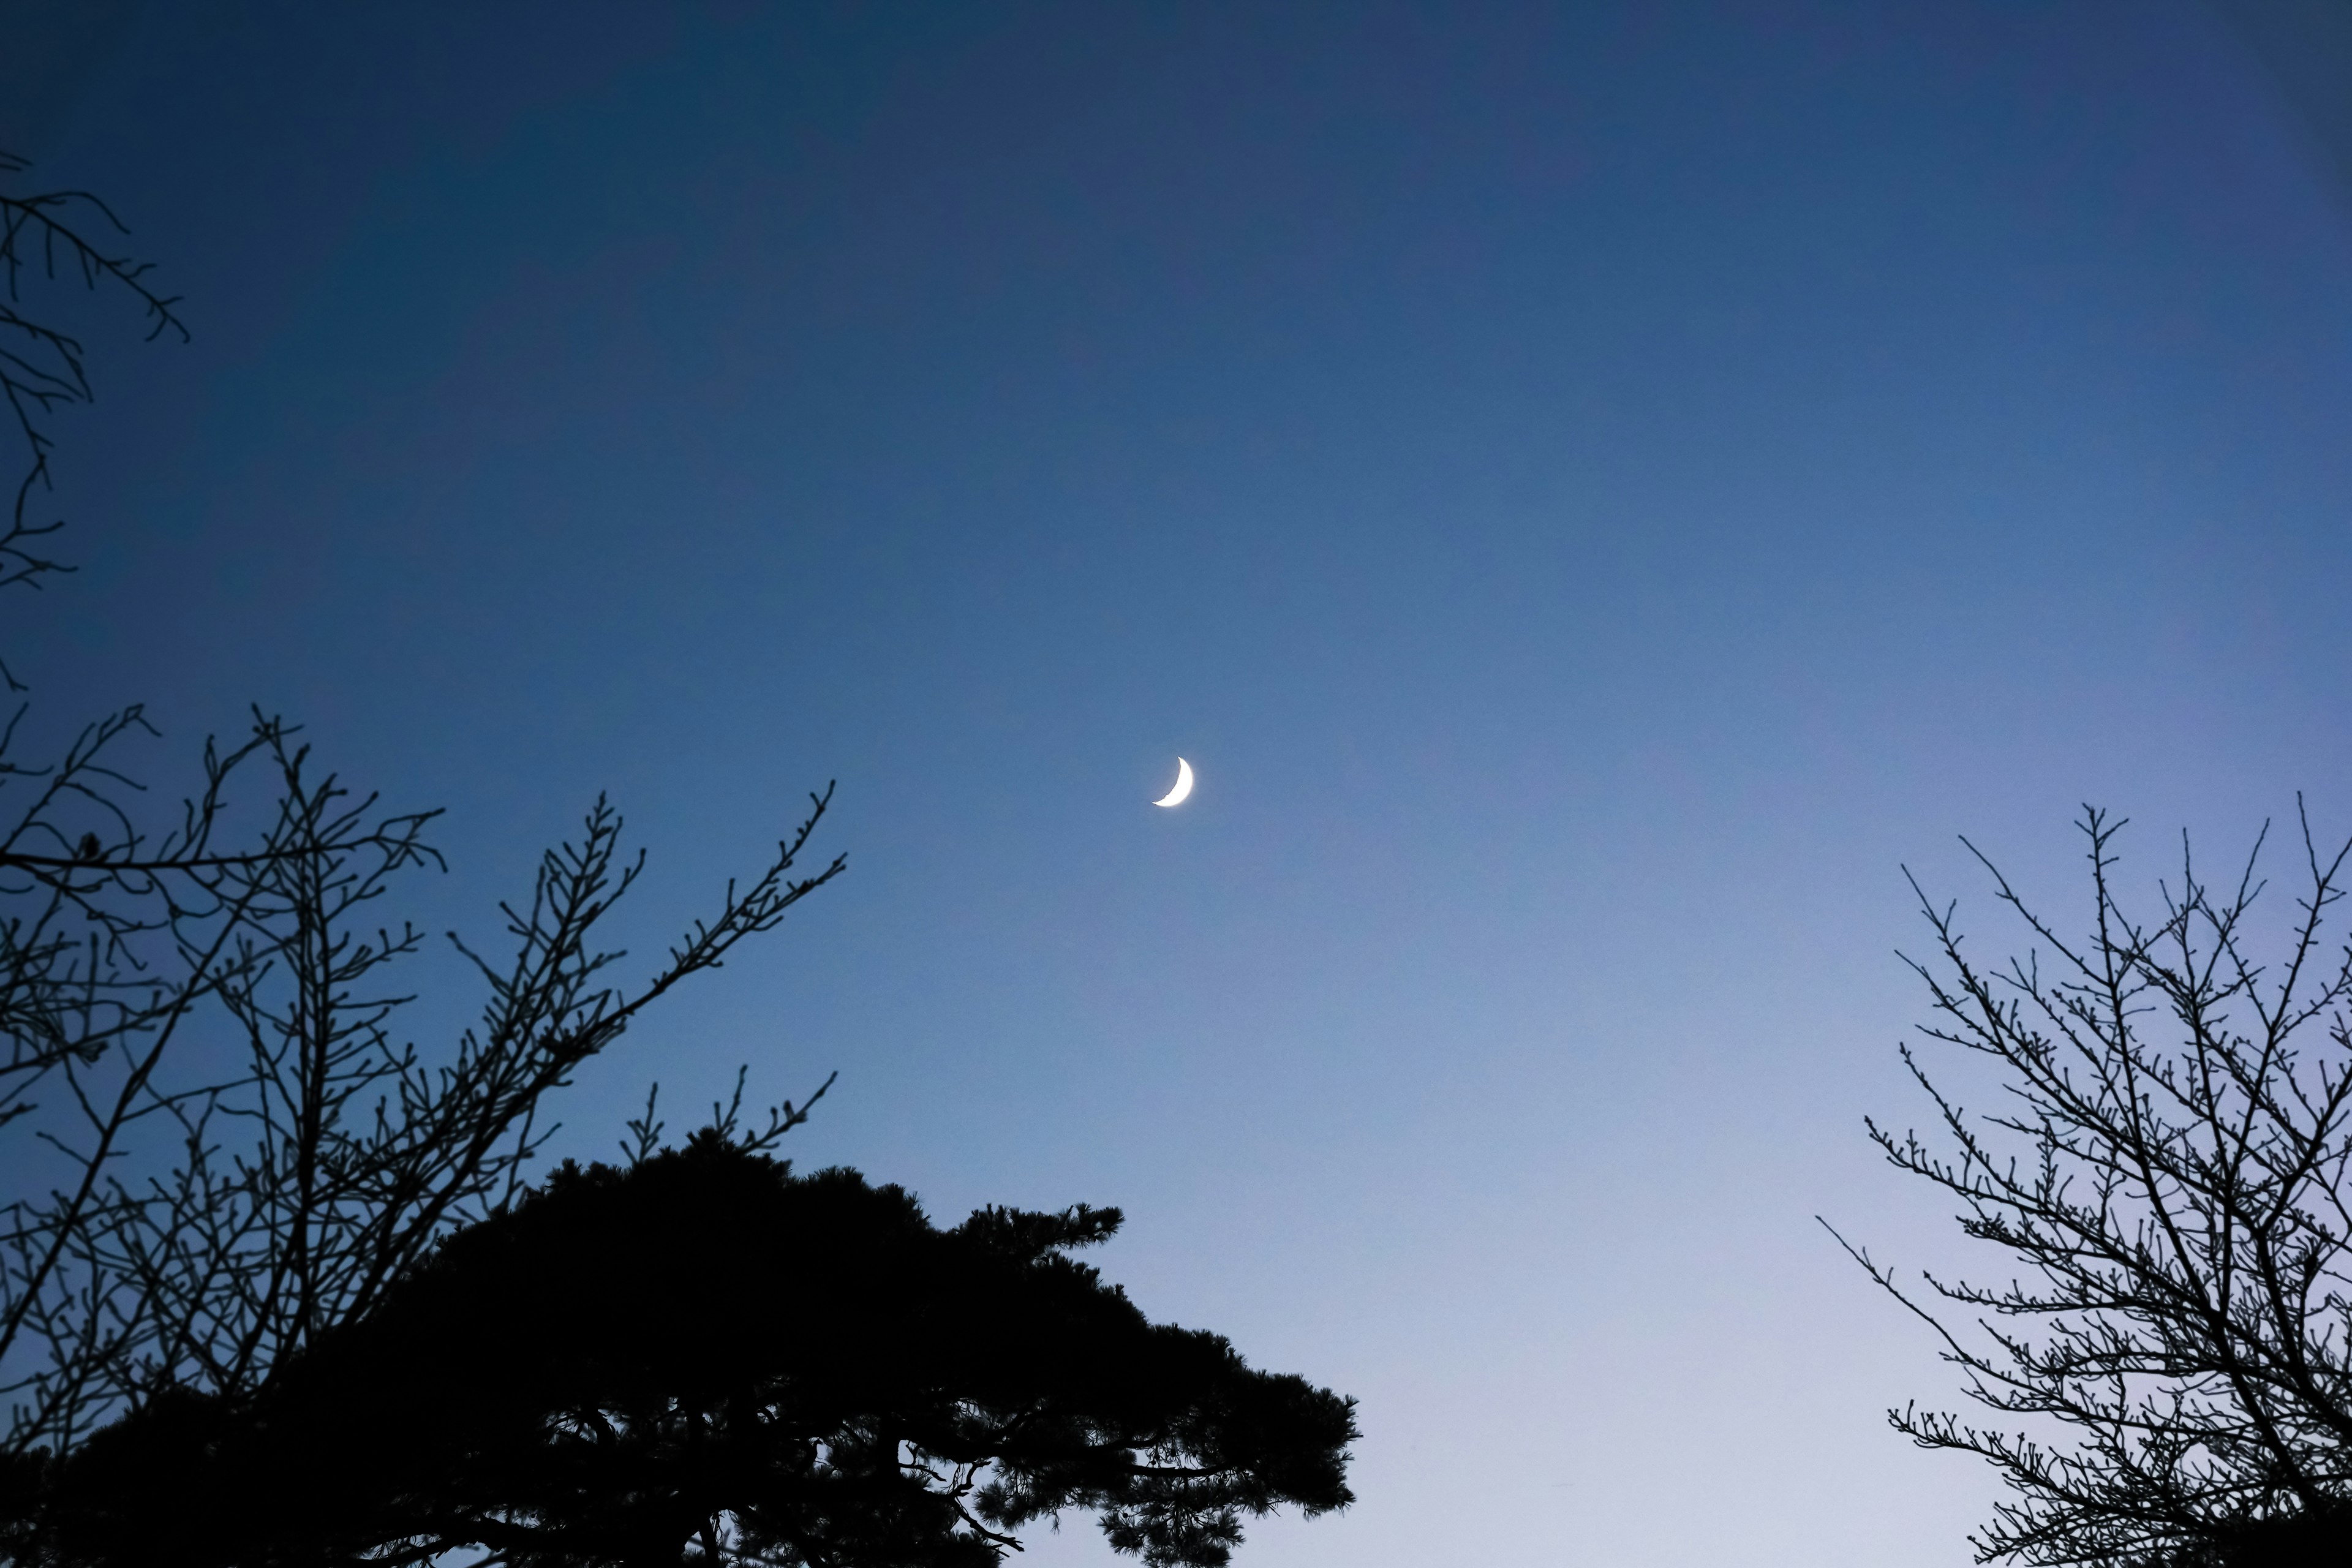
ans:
(1183, 786)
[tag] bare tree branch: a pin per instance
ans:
(2166, 1173)
(48, 236)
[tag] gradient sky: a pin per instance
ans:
(1594, 489)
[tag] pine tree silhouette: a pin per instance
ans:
(699, 1357)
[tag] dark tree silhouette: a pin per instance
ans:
(46, 236)
(2310, 1540)
(218, 1146)
(2170, 1374)
(703, 1358)
(282, 1294)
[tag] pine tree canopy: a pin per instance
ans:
(704, 1357)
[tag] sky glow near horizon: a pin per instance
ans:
(1600, 489)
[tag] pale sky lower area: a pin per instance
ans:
(1594, 491)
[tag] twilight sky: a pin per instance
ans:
(1594, 489)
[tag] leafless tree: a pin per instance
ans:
(79, 883)
(218, 1147)
(324, 1156)
(2168, 1373)
(46, 237)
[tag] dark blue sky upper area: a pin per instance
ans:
(1387, 345)
(1593, 489)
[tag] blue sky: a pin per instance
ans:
(1594, 491)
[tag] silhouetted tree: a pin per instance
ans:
(297, 1303)
(2318, 1538)
(2166, 1167)
(702, 1358)
(45, 236)
(219, 1147)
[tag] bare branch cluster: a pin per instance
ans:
(46, 236)
(220, 1149)
(117, 951)
(312, 1155)
(2166, 1172)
